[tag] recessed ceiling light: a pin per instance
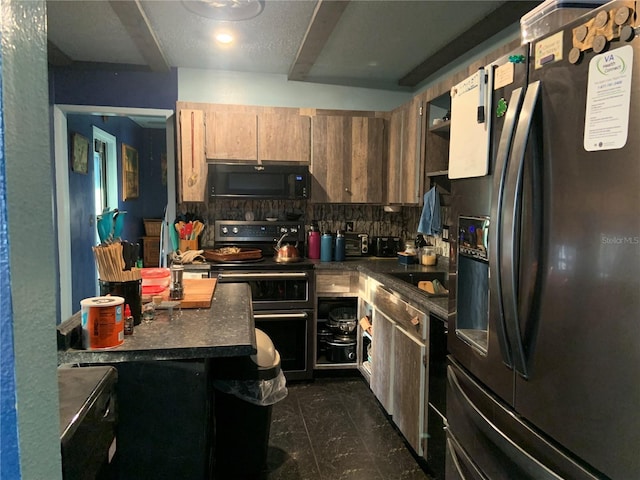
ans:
(227, 10)
(225, 38)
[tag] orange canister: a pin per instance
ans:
(102, 322)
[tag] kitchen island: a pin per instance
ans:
(164, 389)
(226, 329)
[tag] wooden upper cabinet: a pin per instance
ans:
(284, 136)
(232, 136)
(192, 166)
(348, 159)
(405, 164)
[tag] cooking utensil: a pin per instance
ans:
(286, 253)
(341, 350)
(118, 223)
(243, 254)
(342, 320)
(173, 235)
(193, 178)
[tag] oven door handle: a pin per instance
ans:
(277, 316)
(260, 276)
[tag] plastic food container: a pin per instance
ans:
(405, 258)
(552, 15)
(155, 276)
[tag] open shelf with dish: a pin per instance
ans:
(437, 137)
(336, 332)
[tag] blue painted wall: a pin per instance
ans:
(151, 145)
(114, 87)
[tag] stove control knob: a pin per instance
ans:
(234, 230)
(225, 230)
(283, 230)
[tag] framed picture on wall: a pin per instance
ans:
(129, 172)
(79, 153)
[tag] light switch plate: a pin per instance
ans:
(445, 233)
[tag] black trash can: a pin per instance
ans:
(245, 390)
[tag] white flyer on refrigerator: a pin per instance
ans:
(606, 121)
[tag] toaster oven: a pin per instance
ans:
(356, 244)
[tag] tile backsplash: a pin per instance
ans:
(371, 219)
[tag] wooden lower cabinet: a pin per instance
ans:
(399, 364)
(382, 360)
(408, 388)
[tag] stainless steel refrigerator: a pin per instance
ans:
(544, 366)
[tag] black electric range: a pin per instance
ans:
(283, 294)
(263, 236)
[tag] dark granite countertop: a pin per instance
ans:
(380, 269)
(226, 329)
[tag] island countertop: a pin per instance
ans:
(226, 329)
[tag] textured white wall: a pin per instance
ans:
(215, 86)
(29, 177)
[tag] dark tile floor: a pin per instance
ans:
(333, 428)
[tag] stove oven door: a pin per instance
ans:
(275, 290)
(291, 333)
(283, 309)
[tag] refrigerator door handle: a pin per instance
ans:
(497, 437)
(510, 232)
(502, 155)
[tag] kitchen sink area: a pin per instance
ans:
(437, 280)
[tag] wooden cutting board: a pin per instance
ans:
(198, 292)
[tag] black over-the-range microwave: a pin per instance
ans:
(286, 182)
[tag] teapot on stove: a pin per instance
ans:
(286, 252)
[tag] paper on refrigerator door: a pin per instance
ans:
(471, 113)
(606, 123)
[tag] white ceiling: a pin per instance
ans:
(373, 44)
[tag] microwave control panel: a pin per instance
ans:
(473, 237)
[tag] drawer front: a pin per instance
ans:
(412, 320)
(342, 282)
